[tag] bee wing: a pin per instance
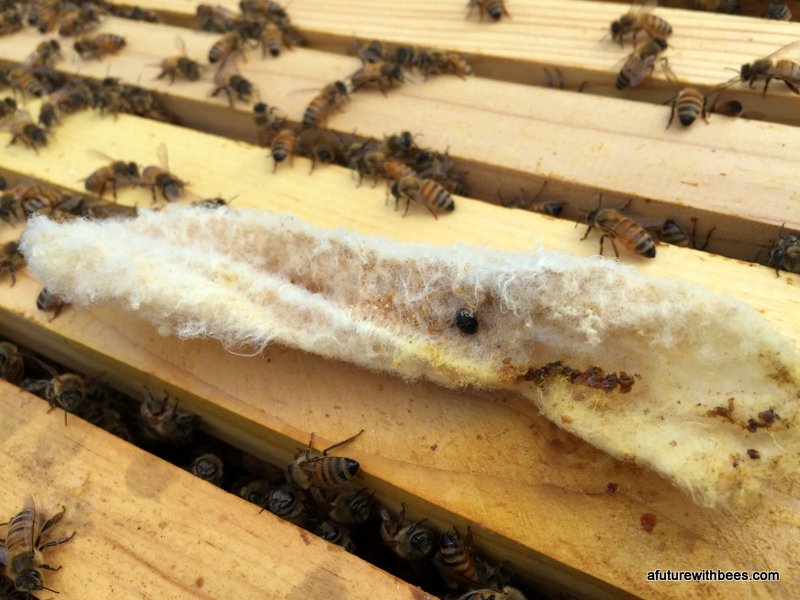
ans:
(785, 50)
(28, 504)
(3, 556)
(94, 153)
(644, 7)
(180, 44)
(163, 157)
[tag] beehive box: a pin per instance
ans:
(531, 494)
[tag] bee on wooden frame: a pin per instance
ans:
(639, 19)
(67, 391)
(312, 468)
(616, 226)
(23, 547)
(282, 147)
(230, 43)
(772, 67)
(778, 11)
(180, 66)
(268, 120)
(410, 541)
(12, 364)
(167, 424)
(321, 145)
(553, 209)
(272, 39)
(159, 178)
(496, 9)
(431, 62)
(689, 103)
(8, 106)
(785, 253)
(455, 559)
(47, 301)
(640, 64)
(287, 504)
(135, 13)
(229, 80)
(672, 233)
(720, 6)
(10, 21)
(11, 260)
(116, 173)
(99, 46)
(217, 18)
(424, 191)
(332, 97)
(384, 74)
(78, 21)
(21, 79)
(46, 54)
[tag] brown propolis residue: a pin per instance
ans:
(765, 421)
(648, 522)
(305, 537)
(721, 411)
(612, 488)
(754, 454)
(593, 377)
(199, 582)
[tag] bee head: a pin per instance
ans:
(132, 169)
(660, 42)
(324, 154)
(260, 108)
(616, 29)
(341, 87)
(747, 72)
(29, 581)
(38, 136)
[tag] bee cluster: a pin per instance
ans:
(315, 490)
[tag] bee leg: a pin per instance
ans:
(432, 212)
(49, 524)
(791, 86)
(767, 79)
(408, 205)
(49, 568)
(585, 235)
(671, 114)
(62, 540)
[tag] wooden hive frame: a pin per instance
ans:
(531, 493)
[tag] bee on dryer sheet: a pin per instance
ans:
(424, 191)
(23, 547)
(720, 6)
(637, 19)
(496, 9)
(159, 178)
(211, 203)
(230, 43)
(672, 233)
(507, 593)
(336, 534)
(385, 75)
(162, 423)
(282, 147)
(332, 97)
(116, 173)
(209, 467)
(180, 66)
(616, 226)
(640, 64)
(11, 260)
(411, 541)
(47, 301)
(455, 559)
(46, 54)
(217, 18)
(110, 210)
(288, 504)
(769, 68)
(689, 103)
(466, 321)
(72, 204)
(229, 80)
(78, 21)
(785, 253)
(95, 48)
(12, 364)
(312, 468)
(778, 11)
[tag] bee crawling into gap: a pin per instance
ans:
(229, 80)
(672, 233)
(785, 253)
(386, 75)
(496, 9)
(165, 424)
(411, 541)
(689, 103)
(615, 225)
(22, 554)
(312, 468)
(331, 98)
(268, 120)
(282, 147)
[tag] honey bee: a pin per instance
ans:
(224, 47)
(268, 120)
(400, 145)
(67, 391)
(720, 6)
(778, 11)
(411, 542)
(282, 147)
(384, 74)
(8, 106)
(211, 203)
(615, 225)
(310, 468)
(336, 534)
(331, 98)
(455, 559)
(287, 504)
(272, 40)
(23, 552)
(425, 191)
(349, 507)
(180, 66)
(553, 209)
(367, 160)
(71, 99)
(116, 173)
(268, 8)
(12, 365)
(321, 145)
(22, 80)
(767, 68)
(440, 168)
(109, 210)
(208, 467)
(507, 593)
(672, 233)
(135, 13)
(228, 80)
(394, 169)
(162, 423)
(10, 21)
(496, 9)
(95, 48)
(45, 15)
(255, 491)
(48, 115)
(434, 63)
(641, 19)
(785, 253)
(25, 131)
(375, 51)
(689, 103)
(159, 178)
(78, 21)
(466, 321)
(11, 260)
(216, 18)
(47, 301)
(73, 205)
(640, 64)
(46, 54)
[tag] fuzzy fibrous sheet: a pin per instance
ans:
(712, 393)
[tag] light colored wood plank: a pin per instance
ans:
(147, 529)
(736, 175)
(564, 33)
(533, 493)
